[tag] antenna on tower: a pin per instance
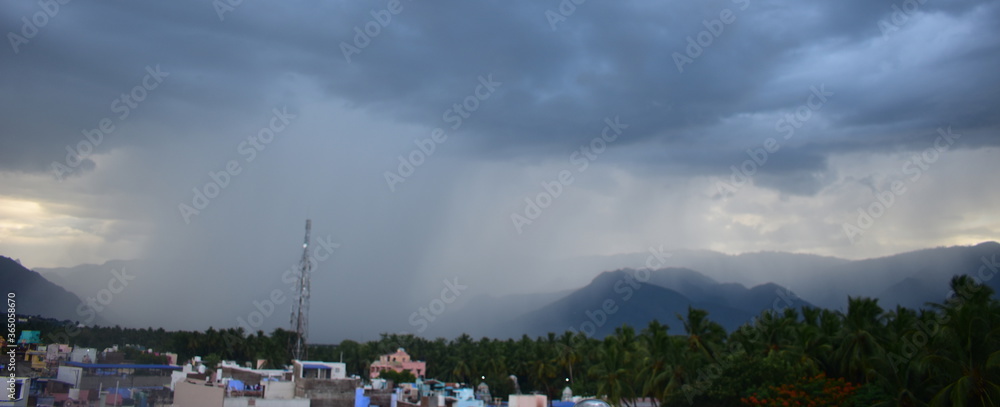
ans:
(300, 308)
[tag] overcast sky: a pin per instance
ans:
(631, 119)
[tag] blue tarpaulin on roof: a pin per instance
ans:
(30, 337)
(236, 385)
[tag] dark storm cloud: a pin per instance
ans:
(605, 59)
(617, 59)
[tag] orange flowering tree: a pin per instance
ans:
(815, 391)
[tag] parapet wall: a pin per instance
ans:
(105, 382)
(327, 392)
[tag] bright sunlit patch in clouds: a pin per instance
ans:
(18, 209)
(29, 230)
(23, 220)
(47, 223)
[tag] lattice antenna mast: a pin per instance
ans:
(300, 309)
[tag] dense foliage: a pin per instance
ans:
(948, 354)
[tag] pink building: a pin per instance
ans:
(399, 362)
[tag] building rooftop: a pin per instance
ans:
(119, 366)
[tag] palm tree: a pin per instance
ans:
(810, 340)
(568, 354)
(896, 371)
(704, 336)
(777, 332)
(496, 365)
(659, 356)
(965, 356)
(461, 372)
(543, 370)
(859, 339)
(614, 371)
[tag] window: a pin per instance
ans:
(17, 390)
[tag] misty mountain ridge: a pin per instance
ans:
(732, 288)
(909, 279)
(749, 269)
(85, 279)
(828, 281)
(35, 295)
(636, 297)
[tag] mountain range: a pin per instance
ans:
(828, 281)
(636, 297)
(35, 295)
(718, 283)
(732, 288)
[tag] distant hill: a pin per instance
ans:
(910, 293)
(828, 281)
(909, 279)
(632, 297)
(37, 296)
(790, 270)
(85, 279)
(702, 289)
(733, 288)
(472, 318)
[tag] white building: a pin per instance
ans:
(83, 355)
(310, 369)
(21, 386)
